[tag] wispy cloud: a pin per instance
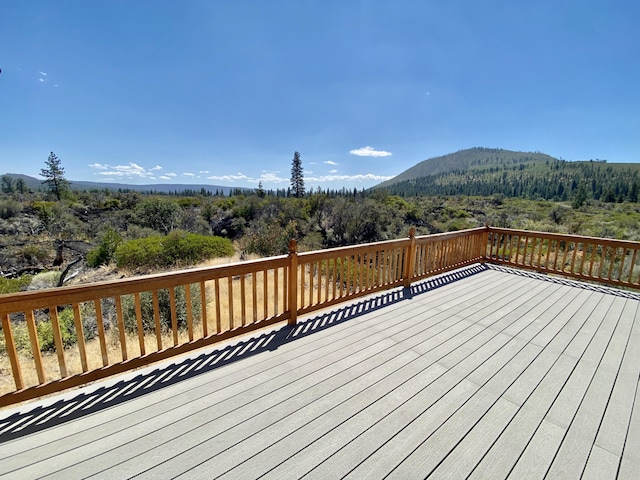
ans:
(189, 174)
(331, 162)
(333, 171)
(369, 152)
(132, 170)
(98, 166)
(362, 177)
(229, 178)
(41, 80)
(44, 74)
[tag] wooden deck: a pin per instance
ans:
(484, 372)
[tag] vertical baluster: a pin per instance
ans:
(311, 265)
(174, 315)
(254, 295)
(57, 339)
(203, 307)
(77, 317)
(285, 288)
(633, 263)
(540, 252)
(564, 256)
(35, 345)
(121, 332)
(187, 300)
(612, 261)
(585, 247)
(573, 258)
(230, 302)
(10, 346)
(602, 259)
(555, 256)
(594, 249)
(533, 249)
(102, 338)
(334, 280)
(156, 319)
(136, 297)
(327, 275)
(265, 293)
(276, 290)
(623, 259)
(217, 299)
(243, 301)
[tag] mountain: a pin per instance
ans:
(36, 184)
(477, 159)
(486, 171)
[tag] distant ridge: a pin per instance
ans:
(477, 158)
(36, 184)
(534, 175)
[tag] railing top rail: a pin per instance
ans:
(455, 234)
(402, 242)
(571, 237)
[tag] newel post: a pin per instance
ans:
(410, 258)
(293, 282)
(484, 242)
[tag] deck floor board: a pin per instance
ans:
(485, 371)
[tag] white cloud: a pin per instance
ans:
(203, 172)
(188, 174)
(330, 162)
(229, 178)
(366, 177)
(132, 170)
(41, 80)
(171, 174)
(333, 171)
(44, 74)
(157, 167)
(165, 177)
(369, 152)
(98, 166)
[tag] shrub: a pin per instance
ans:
(10, 208)
(12, 285)
(177, 248)
(103, 254)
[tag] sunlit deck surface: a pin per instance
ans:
(484, 372)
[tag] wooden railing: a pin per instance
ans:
(601, 260)
(59, 338)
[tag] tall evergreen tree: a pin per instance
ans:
(54, 176)
(297, 177)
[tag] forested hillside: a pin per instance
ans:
(518, 174)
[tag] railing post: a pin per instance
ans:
(410, 258)
(293, 282)
(484, 241)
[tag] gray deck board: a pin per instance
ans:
(495, 374)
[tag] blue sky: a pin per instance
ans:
(223, 92)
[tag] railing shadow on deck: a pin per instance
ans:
(583, 284)
(86, 403)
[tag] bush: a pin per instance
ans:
(13, 285)
(177, 248)
(103, 254)
(10, 208)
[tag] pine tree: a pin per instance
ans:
(297, 177)
(54, 176)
